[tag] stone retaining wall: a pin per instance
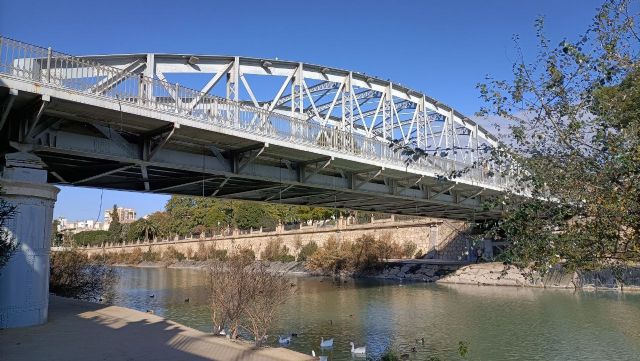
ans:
(497, 274)
(439, 239)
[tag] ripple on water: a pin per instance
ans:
(498, 323)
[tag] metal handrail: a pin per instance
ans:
(64, 71)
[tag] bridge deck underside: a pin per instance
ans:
(93, 146)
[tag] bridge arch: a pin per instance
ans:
(322, 139)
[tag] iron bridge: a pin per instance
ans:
(255, 129)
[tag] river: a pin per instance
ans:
(497, 323)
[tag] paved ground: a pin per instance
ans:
(87, 331)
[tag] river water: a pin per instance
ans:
(497, 323)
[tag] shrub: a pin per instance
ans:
(245, 295)
(205, 253)
(362, 256)
(201, 253)
(172, 255)
(73, 275)
(276, 251)
(150, 256)
(307, 251)
(8, 244)
(330, 258)
(135, 256)
(219, 254)
(91, 238)
(189, 253)
(409, 249)
(246, 253)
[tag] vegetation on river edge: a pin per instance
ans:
(569, 129)
(73, 275)
(363, 255)
(573, 119)
(192, 216)
(8, 244)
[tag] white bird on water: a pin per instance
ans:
(284, 340)
(321, 358)
(326, 343)
(358, 351)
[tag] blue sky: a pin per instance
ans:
(443, 48)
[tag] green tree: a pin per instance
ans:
(144, 228)
(162, 222)
(573, 126)
(8, 244)
(73, 275)
(56, 236)
(115, 227)
(91, 238)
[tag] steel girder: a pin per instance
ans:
(331, 97)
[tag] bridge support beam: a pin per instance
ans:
(24, 280)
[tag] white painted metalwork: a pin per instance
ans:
(315, 106)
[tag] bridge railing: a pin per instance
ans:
(89, 77)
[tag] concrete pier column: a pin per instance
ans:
(24, 281)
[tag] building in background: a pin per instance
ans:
(125, 215)
(64, 225)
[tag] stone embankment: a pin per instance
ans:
(452, 272)
(498, 274)
(417, 270)
(293, 268)
(438, 238)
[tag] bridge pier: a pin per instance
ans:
(24, 280)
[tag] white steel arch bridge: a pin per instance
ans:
(257, 129)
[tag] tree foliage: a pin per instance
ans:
(74, 275)
(8, 244)
(91, 238)
(573, 128)
(115, 227)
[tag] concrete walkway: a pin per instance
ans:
(80, 330)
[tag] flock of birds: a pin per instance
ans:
(355, 351)
(325, 344)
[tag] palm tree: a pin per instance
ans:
(147, 228)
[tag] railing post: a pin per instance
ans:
(49, 65)
(177, 97)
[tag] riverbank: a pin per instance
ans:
(498, 274)
(79, 330)
(458, 272)
(293, 268)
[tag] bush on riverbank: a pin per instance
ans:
(344, 256)
(365, 255)
(74, 275)
(246, 253)
(171, 255)
(275, 251)
(205, 253)
(245, 295)
(307, 251)
(135, 257)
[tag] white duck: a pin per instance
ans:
(326, 343)
(321, 358)
(220, 331)
(284, 340)
(359, 351)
